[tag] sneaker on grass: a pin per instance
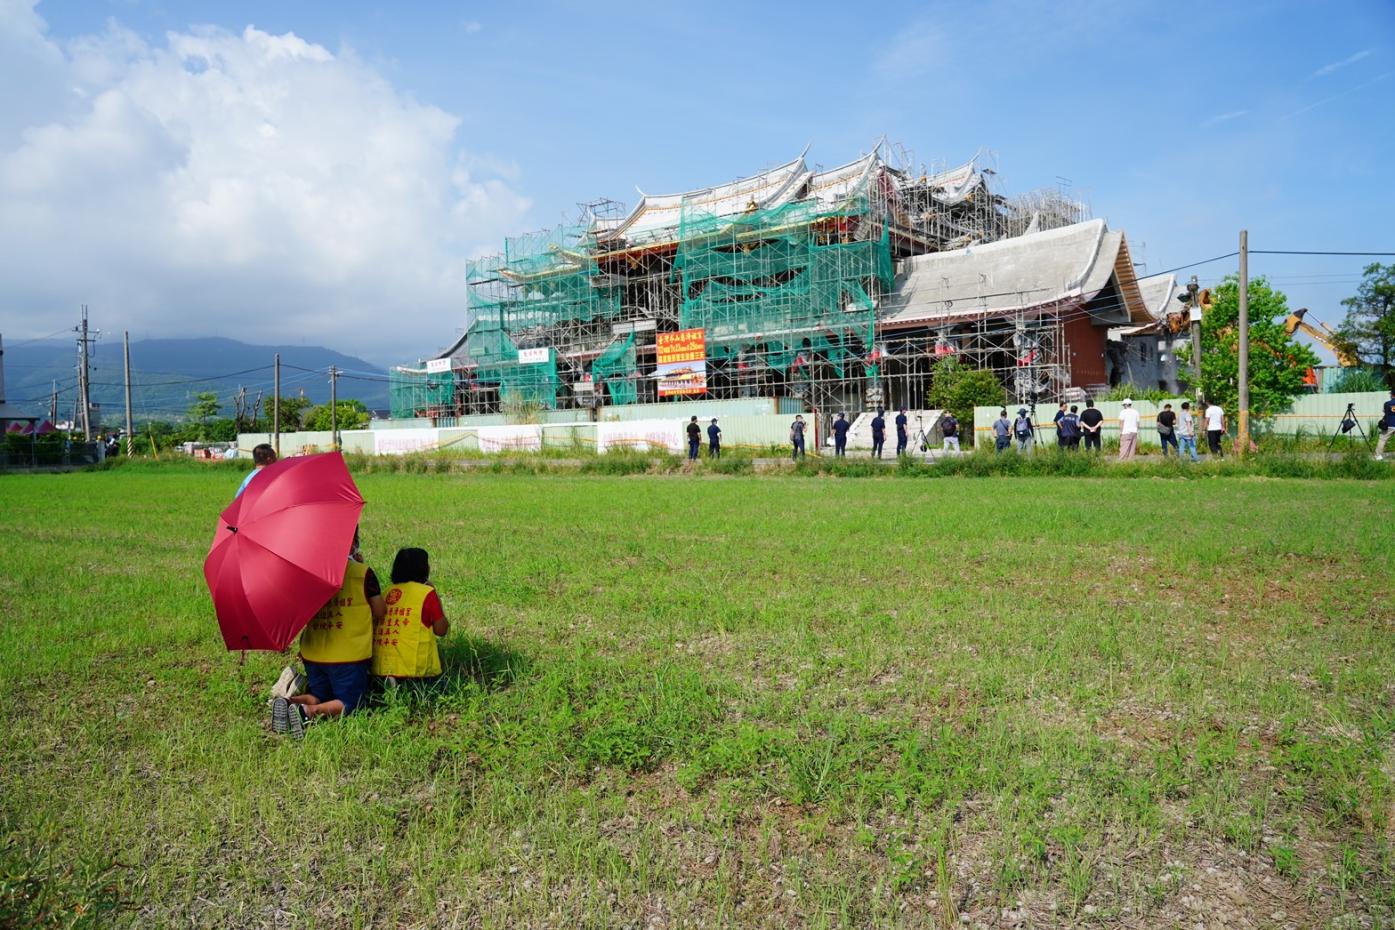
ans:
(296, 721)
(280, 714)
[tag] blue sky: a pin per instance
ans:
(1179, 122)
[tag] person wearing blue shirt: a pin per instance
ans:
(714, 440)
(262, 456)
(1387, 425)
(902, 437)
(878, 433)
(840, 436)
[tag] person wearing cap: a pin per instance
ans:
(878, 433)
(1128, 431)
(1023, 429)
(902, 436)
(714, 440)
(840, 435)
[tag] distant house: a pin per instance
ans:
(1145, 354)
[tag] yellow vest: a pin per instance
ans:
(343, 629)
(402, 646)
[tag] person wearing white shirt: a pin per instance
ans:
(1215, 427)
(1128, 431)
(1186, 431)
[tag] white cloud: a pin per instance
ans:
(1338, 65)
(1224, 118)
(250, 182)
(471, 26)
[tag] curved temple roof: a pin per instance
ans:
(1031, 272)
(656, 216)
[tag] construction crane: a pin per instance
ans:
(1322, 334)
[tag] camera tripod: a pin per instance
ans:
(921, 439)
(1349, 422)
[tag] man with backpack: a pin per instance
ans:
(949, 429)
(1023, 431)
(1002, 431)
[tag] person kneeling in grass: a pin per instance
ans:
(337, 649)
(404, 642)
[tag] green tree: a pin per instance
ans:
(959, 389)
(352, 415)
(205, 407)
(1277, 361)
(292, 409)
(1369, 327)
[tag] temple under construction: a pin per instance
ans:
(837, 289)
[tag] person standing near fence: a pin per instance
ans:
(1215, 427)
(1069, 428)
(1060, 430)
(878, 433)
(1387, 426)
(797, 437)
(1092, 423)
(1128, 431)
(902, 437)
(1002, 431)
(840, 436)
(1167, 430)
(694, 439)
(714, 440)
(1024, 430)
(949, 429)
(1186, 431)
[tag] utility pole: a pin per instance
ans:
(53, 404)
(1194, 314)
(130, 428)
(84, 382)
(276, 408)
(334, 408)
(1243, 437)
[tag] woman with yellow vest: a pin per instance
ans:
(404, 641)
(337, 649)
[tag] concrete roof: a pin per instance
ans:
(1036, 272)
(655, 218)
(1158, 291)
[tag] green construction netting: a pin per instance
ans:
(542, 279)
(618, 369)
(781, 276)
(496, 359)
(419, 393)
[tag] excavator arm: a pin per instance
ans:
(1324, 337)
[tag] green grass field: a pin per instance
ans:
(724, 701)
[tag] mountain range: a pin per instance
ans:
(167, 373)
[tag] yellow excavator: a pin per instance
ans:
(1322, 334)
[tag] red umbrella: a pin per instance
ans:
(281, 549)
